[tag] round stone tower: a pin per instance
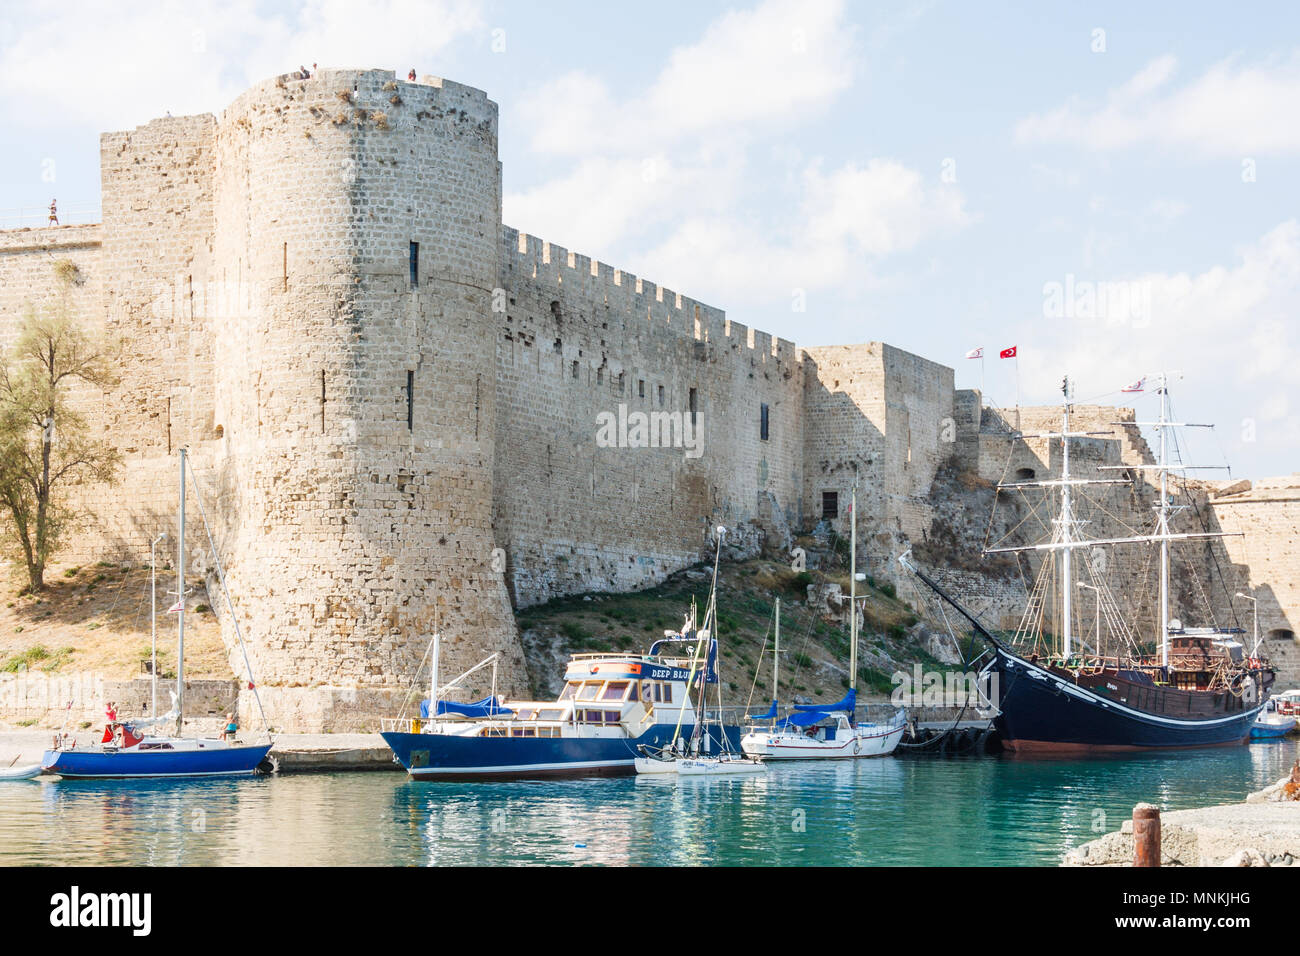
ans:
(357, 222)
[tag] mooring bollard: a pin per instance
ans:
(1146, 835)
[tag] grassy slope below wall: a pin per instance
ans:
(96, 618)
(814, 646)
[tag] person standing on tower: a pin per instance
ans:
(54, 212)
(411, 76)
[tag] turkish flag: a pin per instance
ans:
(1008, 353)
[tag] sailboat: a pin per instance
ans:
(824, 731)
(1200, 688)
(140, 753)
(692, 758)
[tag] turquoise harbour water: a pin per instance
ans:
(997, 811)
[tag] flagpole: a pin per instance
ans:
(1016, 361)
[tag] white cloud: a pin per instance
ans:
(1230, 329)
(848, 221)
(114, 65)
(767, 66)
(1232, 109)
(665, 181)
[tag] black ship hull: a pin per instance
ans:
(1046, 712)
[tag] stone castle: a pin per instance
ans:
(391, 398)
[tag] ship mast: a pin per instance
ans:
(1162, 524)
(1066, 525)
(853, 586)
(1065, 541)
(180, 606)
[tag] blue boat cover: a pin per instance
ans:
(770, 715)
(487, 707)
(805, 719)
(849, 703)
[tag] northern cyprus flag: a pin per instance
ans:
(976, 353)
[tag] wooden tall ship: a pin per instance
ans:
(1199, 687)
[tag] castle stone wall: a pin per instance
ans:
(577, 340)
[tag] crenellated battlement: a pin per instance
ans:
(637, 300)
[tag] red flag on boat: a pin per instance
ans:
(1008, 353)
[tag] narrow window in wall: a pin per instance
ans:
(830, 505)
(575, 368)
(169, 426)
(322, 401)
(284, 266)
(640, 388)
(415, 264)
(694, 407)
(762, 421)
(410, 401)
(661, 394)
(600, 376)
(620, 383)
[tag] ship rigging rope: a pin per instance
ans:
(234, 619)
(759, 665)
(410, 691)
(1201, 517)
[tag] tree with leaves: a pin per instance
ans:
(45, 443)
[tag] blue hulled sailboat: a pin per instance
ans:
(131, 750)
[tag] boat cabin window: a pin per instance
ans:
(590, 690)
(600, 718)
(615, 690)
(569, 688)
(549, 714)
(663, 693)
(526, 715)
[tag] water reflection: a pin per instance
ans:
(889, 811)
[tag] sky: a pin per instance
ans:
(1110, 187)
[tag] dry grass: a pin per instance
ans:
(96, 618)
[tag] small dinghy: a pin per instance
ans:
(24, 772)
(717, 766)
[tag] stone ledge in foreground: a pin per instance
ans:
(1263, 831)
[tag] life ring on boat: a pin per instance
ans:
(857, 746)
